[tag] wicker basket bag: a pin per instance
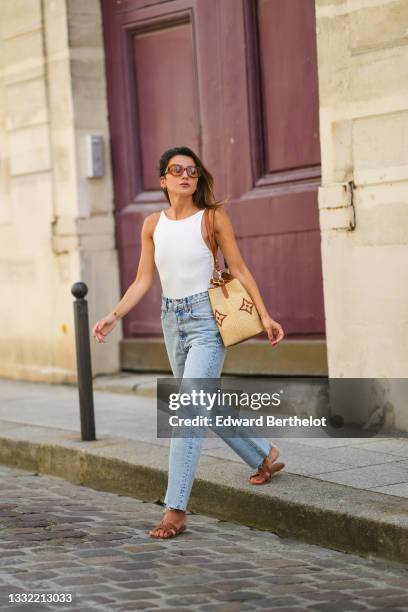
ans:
(234, 311)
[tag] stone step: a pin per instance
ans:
(295, 356)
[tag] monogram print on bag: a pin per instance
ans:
(219, 317)
(246, 305)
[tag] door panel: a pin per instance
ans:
(289, 83)
(165, 94)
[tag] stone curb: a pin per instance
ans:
(318, 512)
(133, 384)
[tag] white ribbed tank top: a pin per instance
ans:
(184, 261)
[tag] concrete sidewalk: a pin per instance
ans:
(350, 494)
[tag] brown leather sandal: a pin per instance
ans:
(170, 530)
(267, 472)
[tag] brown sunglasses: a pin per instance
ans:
(178, 169)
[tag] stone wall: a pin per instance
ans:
(56, 225)
(363, 89)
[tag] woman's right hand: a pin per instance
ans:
(103, 327)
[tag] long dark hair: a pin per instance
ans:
(203, 196)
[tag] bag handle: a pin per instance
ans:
(209, 223)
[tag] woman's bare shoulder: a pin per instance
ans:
(221, 219)
(150, 222)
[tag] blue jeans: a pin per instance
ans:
(196, 350)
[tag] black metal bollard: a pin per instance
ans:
(84, 368)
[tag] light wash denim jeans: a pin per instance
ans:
(196, 350)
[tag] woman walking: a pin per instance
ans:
(176, 242)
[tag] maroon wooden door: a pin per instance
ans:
(235, 80)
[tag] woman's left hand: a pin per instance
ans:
(273, 329)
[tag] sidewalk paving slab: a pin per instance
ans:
(39, 430)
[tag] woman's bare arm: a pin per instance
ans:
(141, 285)
(145, 271)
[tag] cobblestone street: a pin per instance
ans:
(59, 538)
